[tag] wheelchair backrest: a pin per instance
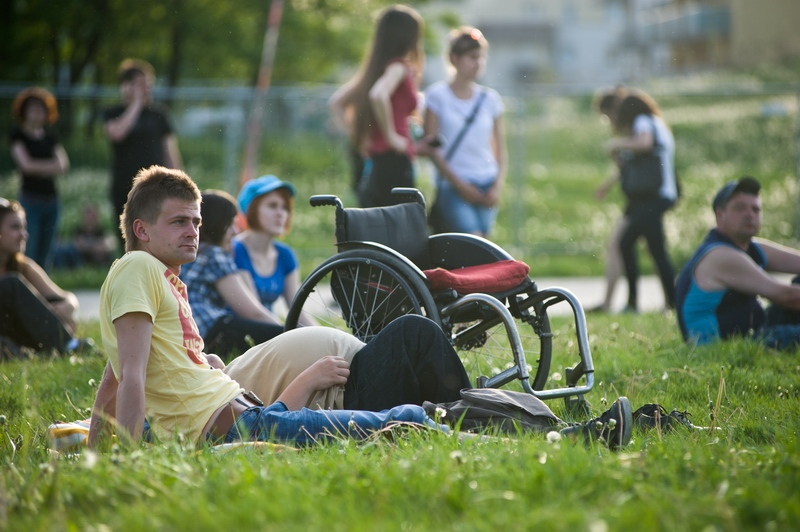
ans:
(402, 227)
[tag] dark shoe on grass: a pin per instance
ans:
(654, 416)
(613, 427)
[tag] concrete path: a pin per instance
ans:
(588, 290)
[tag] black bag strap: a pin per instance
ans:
(656, 144)
(465, 127)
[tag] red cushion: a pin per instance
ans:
(494, 277)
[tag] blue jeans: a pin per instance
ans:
(42, 214)
(782, 337)
(307, 427)
(457, 215)
(781, 328)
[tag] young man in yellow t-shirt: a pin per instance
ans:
(156, 368)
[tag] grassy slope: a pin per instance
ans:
(742, 477)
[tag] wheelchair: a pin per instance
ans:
(496, 317)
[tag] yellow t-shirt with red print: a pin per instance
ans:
(181, 390)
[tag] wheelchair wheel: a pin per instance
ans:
(480, 338)
(361, 291)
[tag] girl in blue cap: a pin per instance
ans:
(267, 204)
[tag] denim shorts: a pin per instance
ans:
(459, 216)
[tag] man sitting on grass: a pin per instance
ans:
(157, 369)
(717, 290)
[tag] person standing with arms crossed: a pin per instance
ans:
(467, 119)
(40, 159)
(141, 133)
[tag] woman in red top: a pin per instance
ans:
(376, 104)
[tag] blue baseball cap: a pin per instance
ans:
(260, 186)
(747, 184)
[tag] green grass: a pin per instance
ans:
(741, 477)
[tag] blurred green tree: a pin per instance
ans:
(64, 43)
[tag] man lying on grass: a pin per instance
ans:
(156, 365)
(717, 291)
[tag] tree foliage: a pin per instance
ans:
(74, 41)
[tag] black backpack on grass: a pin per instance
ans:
(491, 409)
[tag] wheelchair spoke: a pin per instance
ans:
(357, 291)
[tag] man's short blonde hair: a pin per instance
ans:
(151, 187)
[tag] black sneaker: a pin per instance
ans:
(653, 415)
(614, 426)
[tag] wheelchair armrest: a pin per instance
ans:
(456, 250)
(326, 199)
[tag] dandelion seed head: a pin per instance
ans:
(553, 437)
(598, 526)
(542, 458)
(457, 456)
(89, 459)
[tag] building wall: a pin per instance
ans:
(581, 43)
(764, 31)
(538, 41)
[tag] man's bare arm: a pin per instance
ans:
(725, 267)
(118, 128)
(326, 372)
(104, 409)
(134, 332)
(780, 258)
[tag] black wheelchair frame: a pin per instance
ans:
(377, 275)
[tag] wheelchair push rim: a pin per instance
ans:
(360, 291)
